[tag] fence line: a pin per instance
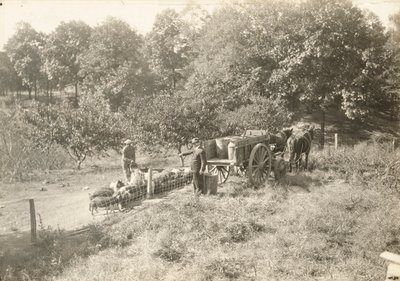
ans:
(30, 215)
(337, 140)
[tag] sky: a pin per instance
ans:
(45, 15)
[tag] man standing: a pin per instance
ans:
(198, 164)
(128, 159)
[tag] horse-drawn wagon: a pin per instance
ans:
(256, 153)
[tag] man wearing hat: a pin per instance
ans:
(128, 159)
(197, 165)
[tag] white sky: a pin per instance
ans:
(45, 15)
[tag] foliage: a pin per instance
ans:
(14, 146)
(8, 77)
(358, 167)
(170, 121)
(89, 130)
(335, 55)
(113, 64)
(52, 253)
(62, 50)
(24, 49)
(393, 88)
(20, 153)
(260, 114)
(167, 49)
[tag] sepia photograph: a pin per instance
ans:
(199, 140)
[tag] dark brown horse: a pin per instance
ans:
(280, 140)
(299, 146)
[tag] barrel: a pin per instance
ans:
(210, 183)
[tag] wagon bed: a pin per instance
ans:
(250, 152)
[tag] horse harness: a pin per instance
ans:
(307, 138)
(282, 135)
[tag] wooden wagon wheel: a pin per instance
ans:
(222, 172)
(259, 167)
(279, 168)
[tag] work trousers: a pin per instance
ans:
(198, 182)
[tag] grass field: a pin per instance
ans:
(327, 224)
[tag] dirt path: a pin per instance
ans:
(61, 201)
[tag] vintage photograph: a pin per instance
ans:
(199, 140)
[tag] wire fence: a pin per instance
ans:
(79, 210)
(336, 140)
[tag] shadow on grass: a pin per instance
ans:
(299, 180)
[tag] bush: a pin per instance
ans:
(20, 153)
(365, 163)
(92, 129)
(260, 114)
(54, 251)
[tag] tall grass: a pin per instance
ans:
(54, 251)
(364, 163)
(328, 224)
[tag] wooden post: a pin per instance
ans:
(393, 269)
(394, 144)
(33, 220)
(336, 141)
(150, 187)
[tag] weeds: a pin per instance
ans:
(334, 231)
(52, 253)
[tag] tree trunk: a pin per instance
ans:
(35, 91)
(322, 137)
(181, 157)
(30, 93)
(76, 95)
(47, 92)
(173, 79)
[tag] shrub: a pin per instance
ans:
(54, 251)
(92, 129)
(364, 163)
(20, 153)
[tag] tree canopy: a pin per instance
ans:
(24, 49)
(61, 53)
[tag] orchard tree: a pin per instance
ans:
(24, 49)
(9, 80)
(171, 122)
(168, 49)
(236, 56)
(61, 53)
(394, 76)
(334, 55)
(90, 130)
(113, 64)
(260, 113)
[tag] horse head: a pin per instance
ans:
(288, 133)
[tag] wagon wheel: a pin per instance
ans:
(279, 168)
(222, 172)
(259, 167)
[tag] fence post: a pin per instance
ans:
(394, 144)
(150, 187)
(33, 220)
(336, 141)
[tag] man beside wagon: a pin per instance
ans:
(197, 165)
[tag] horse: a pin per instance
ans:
(280, 140)
(299, 146)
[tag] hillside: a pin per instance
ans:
(311, 226)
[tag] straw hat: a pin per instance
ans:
(127, 142)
